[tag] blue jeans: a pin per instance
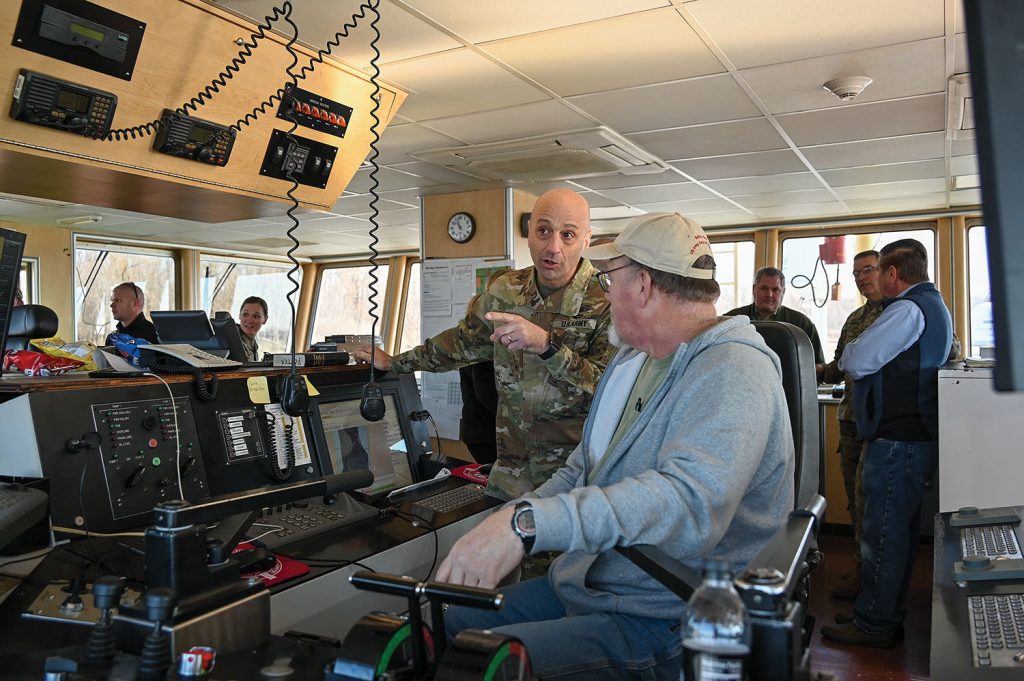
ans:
(593, 646)
(894, 477)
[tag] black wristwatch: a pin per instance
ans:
(522, 524)
(550, 350)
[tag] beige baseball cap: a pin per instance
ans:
(667, 242)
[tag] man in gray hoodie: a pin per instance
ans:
(687, 446)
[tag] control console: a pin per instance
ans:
(140, 446)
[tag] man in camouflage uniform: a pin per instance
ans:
(865, 274)
(546, 329)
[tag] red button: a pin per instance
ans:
(152, 443)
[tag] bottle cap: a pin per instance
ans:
(198, 661)
(717, 568)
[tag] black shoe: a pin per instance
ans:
(851, 634)
(843, 618)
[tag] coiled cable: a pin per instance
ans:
(374, 6)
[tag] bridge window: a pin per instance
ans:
(225, 282)
(810, 282)
(411, 321)
(28, 280)
(982, 340)
(343, 301)
(99, 267)
(734, 261)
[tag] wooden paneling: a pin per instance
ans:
(488, 209)
(52, 245)
(835, 491)
(186, 44)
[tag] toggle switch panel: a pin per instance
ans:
(310, 162)
(314, 111)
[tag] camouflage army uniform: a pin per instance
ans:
(849, 446)
(541, 403)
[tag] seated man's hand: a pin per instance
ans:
(485, 555)
(518, 333)
(381, 359)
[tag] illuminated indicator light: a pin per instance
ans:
(152, 443)
(156, 460)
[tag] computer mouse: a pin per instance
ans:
(257, 559)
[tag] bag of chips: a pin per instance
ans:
(56, 347)
(38, 363)
(128, 347)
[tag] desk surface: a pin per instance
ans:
(951, 654)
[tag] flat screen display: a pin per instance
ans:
(353, 443)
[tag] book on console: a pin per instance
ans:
(311, 359)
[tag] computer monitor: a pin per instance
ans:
(228, 336)
(187, 326)
(12, 247)
(389, 448)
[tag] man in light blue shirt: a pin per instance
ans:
(895, 364)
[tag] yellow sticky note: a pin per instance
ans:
(259, 389)
(313, 392)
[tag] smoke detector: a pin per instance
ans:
(847, 88)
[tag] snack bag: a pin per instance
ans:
(56, 347)
(128, 347)
(38, 363)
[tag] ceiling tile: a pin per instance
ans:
(798, 211)
(868, 152)
(642, 180)
(457, 82)
(742, 165)
(783, 198)
(406, 216)
(910, 202)
(482, 21)
(893, 172)
(902, 70)
(388, 180)
(762, 184)
(401, 34)
(595, 200)
(682, 191)
(398, 141)
(429, 171)
(512, 122)
(360, 205)
(761, 33)
(926, 113)
(638, 49)
(963, 165)
(670, 105)
(613, 212)
(755, 134)
(725, 218)
(965, 197)
(694, 207)
(409, 197)
(892, 189)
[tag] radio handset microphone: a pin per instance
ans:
(294, 394)
(372, 405)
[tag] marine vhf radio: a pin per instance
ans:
(55, 103)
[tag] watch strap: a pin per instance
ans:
(528, 537)
(550, 350)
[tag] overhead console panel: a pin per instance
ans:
(181, 60)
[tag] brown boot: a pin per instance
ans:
(847, 589)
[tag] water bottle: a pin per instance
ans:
(716, 629)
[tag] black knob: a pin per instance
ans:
(106, 591)
(76, 122)
(164, 482)
(205, 154)
(149, 422)
(136, 477)
(160, 602)
(187, 465)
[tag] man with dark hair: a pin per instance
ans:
(865, 274)
(675, 453)
(126, 303)
(769, 289)
(895, 365)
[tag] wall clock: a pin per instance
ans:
(461, 227)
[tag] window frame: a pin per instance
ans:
(384, 303)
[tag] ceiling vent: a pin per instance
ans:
(556, 156)
(959, 108)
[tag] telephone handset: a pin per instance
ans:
(185, 359)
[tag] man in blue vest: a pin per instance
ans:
(895, 365)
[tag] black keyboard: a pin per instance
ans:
(994, 541)
(450, 500)
(997, 629)
(20, 508)
(283, 525)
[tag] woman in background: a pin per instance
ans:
(251, 319)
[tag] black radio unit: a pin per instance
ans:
(55, 103)
(194, 138)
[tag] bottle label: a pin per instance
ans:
(699, 665)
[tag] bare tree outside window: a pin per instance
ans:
(343, 301)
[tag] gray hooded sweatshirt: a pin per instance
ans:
(706, 470)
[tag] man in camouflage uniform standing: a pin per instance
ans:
(865, 274)
(546, 329)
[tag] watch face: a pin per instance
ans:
(461, 227)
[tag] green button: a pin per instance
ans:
(156, 460)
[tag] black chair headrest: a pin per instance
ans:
(33, 321)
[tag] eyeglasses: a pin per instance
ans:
(867, 269)
(605, 281)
